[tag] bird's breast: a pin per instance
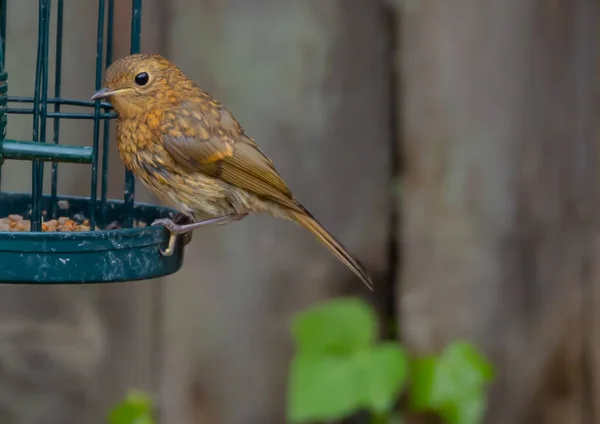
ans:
(193, 193)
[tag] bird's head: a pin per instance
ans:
(140, 82)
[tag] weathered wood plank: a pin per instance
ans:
(52, 341)
(92, 343)
(500, 197)
(131, 312)
(308, 81)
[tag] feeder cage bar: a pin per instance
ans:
(106, 134)
(117, 243)
(26, 150)
(56, 121)
(96, 136)
(136, 30)
(40, 111)
(2, 63)
(102, 111)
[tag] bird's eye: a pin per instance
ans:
(142, 78)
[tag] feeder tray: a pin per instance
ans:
(85, 256)
(111, 247)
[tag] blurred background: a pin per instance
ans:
(451, 145)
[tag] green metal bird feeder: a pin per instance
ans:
(100, 254)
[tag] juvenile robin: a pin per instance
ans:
(191, 153)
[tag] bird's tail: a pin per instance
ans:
(312, 225)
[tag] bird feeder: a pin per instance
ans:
(93, 249)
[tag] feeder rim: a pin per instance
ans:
(126, 233)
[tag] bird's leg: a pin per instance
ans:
(182, 218)
(176, 229)
(173, 227)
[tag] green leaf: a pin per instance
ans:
(452, 385)
(327, 387)
(322, 388)
(396, 419)
(422, 383)
(466, 410)
(384, 371)
(338, 326)
(460, 370)
(135, 409)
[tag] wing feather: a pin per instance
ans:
(213, 143)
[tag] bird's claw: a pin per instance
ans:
(174, 230)
(168, 224)
(171, 246)
(186, 227)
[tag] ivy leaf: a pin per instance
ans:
(452, 385)
(339, 326)
(422, 383)
(460, 370)
(322, 388)
(135, 409)
(469, 409)
(387, 419)
(384, 372)
(328, 387)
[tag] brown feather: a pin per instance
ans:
(189, 150)
(241, 163)
(192, 154)
(193, 139)
(312, 225)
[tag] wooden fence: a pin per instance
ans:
(452, 145)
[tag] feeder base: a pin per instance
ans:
(101, 256)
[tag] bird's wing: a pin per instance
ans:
(213, 143)
(194, 139)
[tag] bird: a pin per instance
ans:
(192, 153)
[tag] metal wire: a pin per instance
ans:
(57, 101)
(136, 29)
(37, 106)
(3, 42)
(40, 112)
(63, 115)
(69, 102)
(56, 122)
(106, 133)
(3, 30)
(96, 136)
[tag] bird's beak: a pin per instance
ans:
(103, 93)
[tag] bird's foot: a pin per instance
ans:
(176, 229)
(170, 226)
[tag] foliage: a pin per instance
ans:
(136, 408)
(339, 369)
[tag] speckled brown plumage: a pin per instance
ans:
(192, 153)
